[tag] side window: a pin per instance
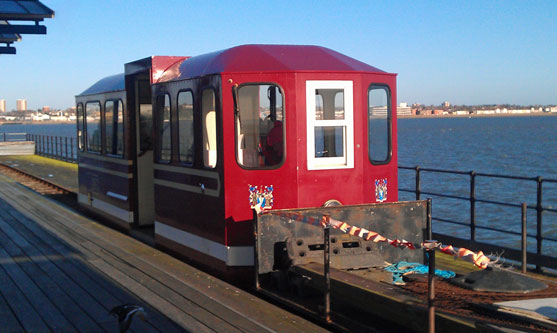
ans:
(114, 129)
(93, 130)
(379, 124)
(209, 118)
(164, 128)
(185, 126)
(119, 129)
(108, 126)
(330, 126)
(259, 126)
(80, 126)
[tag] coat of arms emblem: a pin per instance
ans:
(262, 198)
(381, 190)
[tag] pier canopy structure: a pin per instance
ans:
(20, 11)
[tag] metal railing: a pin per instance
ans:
(13, 137)
(538, 258)
(57, 147)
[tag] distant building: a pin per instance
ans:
(46, 108)
(403, 110)
(2, 105)
(21, 105)
(446, 104)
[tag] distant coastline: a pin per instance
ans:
(474, 115)
(30, 122)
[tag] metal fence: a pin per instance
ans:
(538, 258)
(57, 147)
(13, 137)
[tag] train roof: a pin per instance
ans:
(243, 58)
(266, 58)
(108, 84)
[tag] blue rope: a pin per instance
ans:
(403, 267)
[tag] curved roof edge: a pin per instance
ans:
(108, 84)
(285, 58)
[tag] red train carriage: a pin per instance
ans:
(314, 126)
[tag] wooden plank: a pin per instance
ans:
(7, 316)
(24, 311)
(83, 243)
(263, 314)
(30, 288)
(91, 243)
(178, 312)
(88, 278)
(50, 281)
(17, 148)
(187, 321)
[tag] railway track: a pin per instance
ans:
(40, 185)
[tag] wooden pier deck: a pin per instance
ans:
(61, 271)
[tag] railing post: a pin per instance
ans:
(56, 144)
(418, 183)
(4, 136)
(429, 247)
(472, 205)
(524, 236)
(66, 143)
(429, 225)
(539, 220)
(71, 149)
(326, 266)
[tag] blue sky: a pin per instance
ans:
(473, 52)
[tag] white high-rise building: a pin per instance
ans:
(21, 105)
(2, 105)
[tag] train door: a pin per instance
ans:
(144, 150)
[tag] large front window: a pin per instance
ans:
(330, 137)
(379, 124)
(259, 126)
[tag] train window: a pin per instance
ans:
(164, 126)
(209, 128)
(185, 126)
(80, 119)
(379, 124)
(259, 126)
(119, 123)
(114, 127)
(330, 137)
(93, 130)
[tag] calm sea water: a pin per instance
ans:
(519, 146)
